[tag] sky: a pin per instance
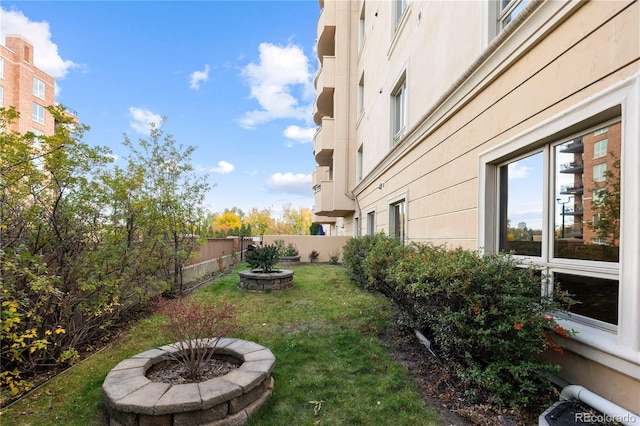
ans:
(232, 78)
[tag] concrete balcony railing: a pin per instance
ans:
(324, 142)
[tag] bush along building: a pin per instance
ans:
(508, 125)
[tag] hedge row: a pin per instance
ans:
(484, 314)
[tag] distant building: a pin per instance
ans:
(26, 87)
(443, 121)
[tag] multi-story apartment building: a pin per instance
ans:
(496, 125)
(25, 87)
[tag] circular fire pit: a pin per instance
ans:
(132, 399)
(266, 281)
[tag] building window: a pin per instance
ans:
(361, 95)
(399, 7)
(399, 110)
(371, 223)
(38, 87)
(359, 160)
(542, 198)
(397, 220)
(38, 113)
(509, 9)
(600, 148)
(362, 27)
(599, 172)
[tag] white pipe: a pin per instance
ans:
(608, 408)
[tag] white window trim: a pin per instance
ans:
(38, 118)
(622, 350)
(373, 214)
(390, 203)
(399, 88)
(600, 153)
(36, 85)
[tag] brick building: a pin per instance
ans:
(25, 87)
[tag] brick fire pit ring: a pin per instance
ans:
(132, 399)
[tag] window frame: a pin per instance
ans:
(602, 145)
(39, 88)
(371, 222)
(619, 100)
(399, 106)
(400, 199)
(505, 11)
(37, 113)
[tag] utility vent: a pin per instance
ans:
(568, 413)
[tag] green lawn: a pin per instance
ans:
(331, 367)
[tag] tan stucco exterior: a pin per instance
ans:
(474, 97)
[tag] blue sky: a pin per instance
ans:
(233, 78)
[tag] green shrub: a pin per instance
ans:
(264, 258)
(484, 314)
(354, 253)
(291, 250)
(334, 257)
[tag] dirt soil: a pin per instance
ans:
(175, 373)
(442, 392)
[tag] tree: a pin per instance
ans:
(295, 221)
(227, 223)
(173, 196)
(260, 221)
(607, 203)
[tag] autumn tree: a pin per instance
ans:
(295, 221)
(261, 221)
(227, 223)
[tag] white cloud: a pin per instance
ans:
(198, 77)
(518, 171)
(223, 168)
(300, 134)
(281, 71)
(299, 183)
(45, 51)
(141, 119)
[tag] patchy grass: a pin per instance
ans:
(331, 367)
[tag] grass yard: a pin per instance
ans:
(331, 366)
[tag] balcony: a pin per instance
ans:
(326, 30)
(571, 189)
(575, 146)
(571, 168)
(321, 174)
(323, 106)
(326, 76)
(324, 142)
(331, 202)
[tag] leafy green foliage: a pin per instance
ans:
(264, 258)
(83, 241)
(484, 314)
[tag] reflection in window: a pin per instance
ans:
(588, 190)
(597, 297)
(397, 220)
(521, 196)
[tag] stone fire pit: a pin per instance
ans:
(259, 281)
(132, 399)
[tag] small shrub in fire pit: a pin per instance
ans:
(194, 325)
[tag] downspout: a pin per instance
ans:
(347, 193)
(617, 413)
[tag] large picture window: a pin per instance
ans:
(561, 207)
